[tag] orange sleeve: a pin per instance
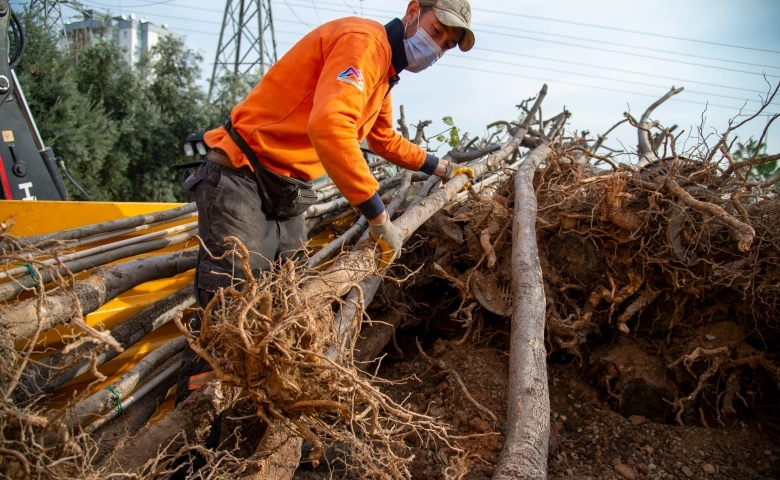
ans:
(351, 70)
(386, 142)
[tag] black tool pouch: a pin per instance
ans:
(282, 196)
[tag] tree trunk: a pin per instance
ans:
(104, 399)
(192, 420)
(47, 374)
(100, 228)
(23, 319)
(9, 290)
(528, 420)
(277, 456)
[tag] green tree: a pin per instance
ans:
(172, 107)
(76, 127)
(751, 149)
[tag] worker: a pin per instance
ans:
(305, 118)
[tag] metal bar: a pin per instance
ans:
(25, 109)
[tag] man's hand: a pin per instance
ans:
(389, 238)
(452, 170)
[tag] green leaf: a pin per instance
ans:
(448, 121)
(441, 138)
(454, 137)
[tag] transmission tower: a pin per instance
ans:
(50, 11)
(246, 41)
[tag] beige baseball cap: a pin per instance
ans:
(454, 13)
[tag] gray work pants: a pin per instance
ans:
(229, 205)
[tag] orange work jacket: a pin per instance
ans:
(312, 108)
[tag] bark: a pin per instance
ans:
(361, 225)
(321, 209)
(46, 375)
(191, 420)
(528, 420)
(11, 289)
(68, 257)
(23, 319)
(109, 436)
(402, 127)
(460, 157)
(277, 456)
(100, 228)
(420, 135)
(645, 148)
(104, 399)
(328, 250)
(373, 339)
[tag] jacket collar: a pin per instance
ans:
(395, 35)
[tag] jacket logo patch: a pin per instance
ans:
(353, 76)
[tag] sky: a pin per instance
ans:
(599, 59)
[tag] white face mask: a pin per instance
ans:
(422, 51)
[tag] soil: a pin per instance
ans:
(589, 440)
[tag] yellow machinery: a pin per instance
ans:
(37, 218)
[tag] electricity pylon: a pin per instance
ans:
(246, 40)
(50, 11)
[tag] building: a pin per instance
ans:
(134, 36)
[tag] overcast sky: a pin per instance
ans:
(599, 58)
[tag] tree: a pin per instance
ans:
(751, 149)
(75, 126)
(119, 129)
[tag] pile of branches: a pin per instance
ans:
(662, 276)
(666, 260)
(273, 338)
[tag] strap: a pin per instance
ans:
(116, 397)
(241, 143)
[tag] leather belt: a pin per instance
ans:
(222, 159)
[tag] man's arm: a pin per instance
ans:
(386, 142)
(348, 77)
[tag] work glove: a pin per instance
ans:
(453, 170)
(390, 240)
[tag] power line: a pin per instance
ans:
(632, 54)
(319, 21)
(537, 57)
(602, 67)
(587, 47)
(625, 30)
(647, 49)
(339, 9)
(562, 36)
(581, 85)
(296, 15)
(630, 82)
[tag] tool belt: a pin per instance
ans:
(282, 196)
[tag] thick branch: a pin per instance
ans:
(645, 149)
(192, 420)
(528, 420)
(22, 319)
(99, 228)
(44, 376)
(744, 232)
(104, 399)
(9, 290)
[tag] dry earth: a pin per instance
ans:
(589, 439)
